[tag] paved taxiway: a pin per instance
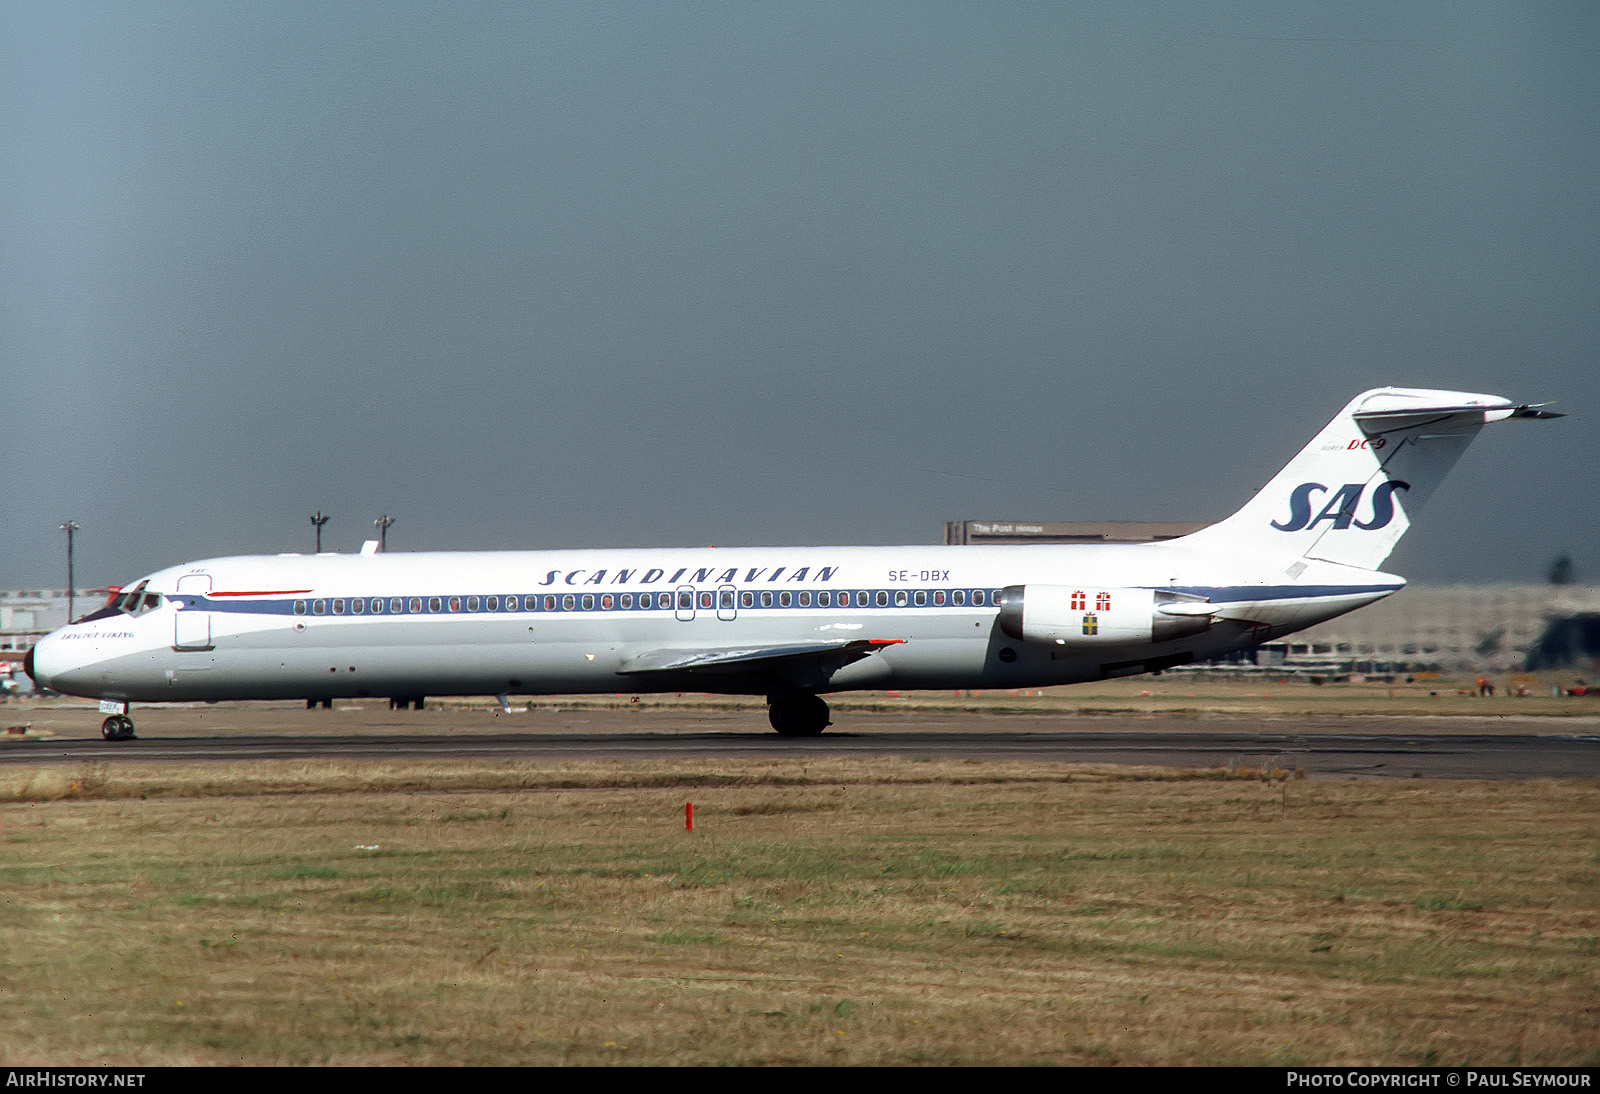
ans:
(1396, 747)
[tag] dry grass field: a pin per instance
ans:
(824, 911)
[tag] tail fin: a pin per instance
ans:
(1350, 494)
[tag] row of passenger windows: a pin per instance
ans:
(681, 600)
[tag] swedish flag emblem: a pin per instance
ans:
(1091, 623)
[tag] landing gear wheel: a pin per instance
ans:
(118, 727)
(798, 715)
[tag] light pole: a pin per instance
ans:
(383, 523)
(70, 528)
(317, 521)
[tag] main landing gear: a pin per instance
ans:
(798, 714)
(118, 727)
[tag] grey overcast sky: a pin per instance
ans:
(608, 274)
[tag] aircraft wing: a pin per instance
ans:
(840, 651)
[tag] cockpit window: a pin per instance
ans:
(126, 600)
(135, 600)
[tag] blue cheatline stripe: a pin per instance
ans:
(664, 600)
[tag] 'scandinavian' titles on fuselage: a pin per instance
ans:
(788, 623)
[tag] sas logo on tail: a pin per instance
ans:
(1340, 509)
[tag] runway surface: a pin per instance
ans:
(1393, 747)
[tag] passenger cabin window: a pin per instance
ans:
(434, 604)
(899, 598)
(358, 606)
(472, 603)
(299, 607)
(416, 603)
(493, 604)
(921, 597)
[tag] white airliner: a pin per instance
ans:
(788, 623)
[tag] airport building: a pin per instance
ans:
(1066, 531)
(27, 615)
(1480, 628)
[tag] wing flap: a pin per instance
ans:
(747, 658)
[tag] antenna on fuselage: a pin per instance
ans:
(382, 524)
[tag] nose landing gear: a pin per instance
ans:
(118, 727)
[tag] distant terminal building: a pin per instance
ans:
(1495, 628)
(1066, 531)
(27, 615)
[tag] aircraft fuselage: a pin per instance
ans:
(333, 626)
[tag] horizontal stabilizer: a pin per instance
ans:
(1490, 414)
(1351, 493)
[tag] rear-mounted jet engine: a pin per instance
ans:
(1066, 615)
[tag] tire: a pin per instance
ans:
(798, 715)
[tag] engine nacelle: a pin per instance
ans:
(1068, 615)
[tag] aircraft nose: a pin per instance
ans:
(30, 663)
(43, 662)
